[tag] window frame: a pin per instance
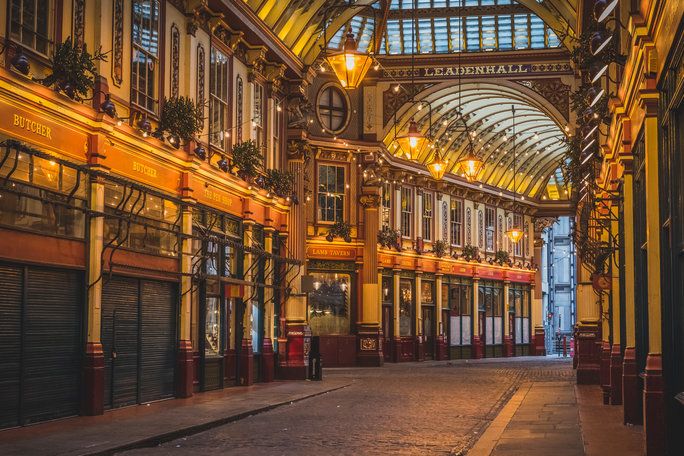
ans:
(427, 219)
(490, 229)
(453, 223)
(227, 87)
(53, 21)
(331, 86)
(406, 218)
(345, 172)
(157, 78)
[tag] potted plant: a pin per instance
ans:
(279, 182)
(247, 159)
(502, 257)
(389, 238)
(73, 70)
(339, 229)
(181, 118)
(471, 252)
(440, 248)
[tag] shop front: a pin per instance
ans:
(406, 348)
(387, 300)
(215, 236)
(428, 316)
(458, 315)
(332, 311)
(519, 303)
(491, 315)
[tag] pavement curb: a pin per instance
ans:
(196, 429)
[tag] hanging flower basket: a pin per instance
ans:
(279, 182)
(182, 119)
(440, 248)
(502, 257)
(339, 229)
(247, 160)
(470, 253)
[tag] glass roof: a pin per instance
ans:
(437, 28)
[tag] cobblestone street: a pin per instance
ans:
(426, 408)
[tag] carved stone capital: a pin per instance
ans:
(298, 149)
(369, 201)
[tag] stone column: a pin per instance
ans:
(369, 331)
(654, 400)
(631, 390)
(441, 349)
(420, 344)
(246, 356)
(396, 299)
(478, 351)
(295, 337)
(267, 357)
(587, 330)
(93, 366)
(507, 339)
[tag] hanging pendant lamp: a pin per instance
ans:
(514, 233)
(349, 65)
(412, 143)
(437, 166)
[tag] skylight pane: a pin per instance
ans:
(393, 37)
(552, 38)
(456, 27)
(522, 34)
(537, 32)
(425, 34)
(441, 35)
(505, 33)
(488, 33)
(487, 2)
(395, 4)
(409, 38)
(439, 3)
(423, 3)
(473, 33)
(336, 41)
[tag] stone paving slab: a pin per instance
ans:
(152, 424)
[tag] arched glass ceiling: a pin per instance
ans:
(486, 107)
(438, 28)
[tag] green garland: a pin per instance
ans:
(502, 257)
(279, 182)
(440, 248)
(470, 252)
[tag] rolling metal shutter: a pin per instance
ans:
(52, 344)
(120, 328)
(10, 344)
(158, 339)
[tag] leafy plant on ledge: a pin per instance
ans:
(389, 238)
(247, 160)
(502, 257)
(471, 252)
(440, 248)
(339, 229)
(279, 182)
(73, 70)
(181, 118)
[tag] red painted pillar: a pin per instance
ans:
(616, 375)
(631, 390)
(184, 369)
(605, 371)
(93, 380)
(267, 361)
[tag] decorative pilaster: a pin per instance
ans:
(184, 357)
(538, 338)
(267, 356)
(507, 339)
(369, 331)
(420, 344)
(441, 353)
(93, 366)
(246, 356)
(478, 350)
(295, 337)
(396, 300)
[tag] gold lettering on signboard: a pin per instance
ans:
(32, 126)
(218, 197)
(144, 169)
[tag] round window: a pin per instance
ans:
(332, 108)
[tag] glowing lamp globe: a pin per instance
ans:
(349, 65)
(514, 234)
(413, 142)
(437, 166)
(470, 166)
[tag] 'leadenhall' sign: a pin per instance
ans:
(477, 70)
